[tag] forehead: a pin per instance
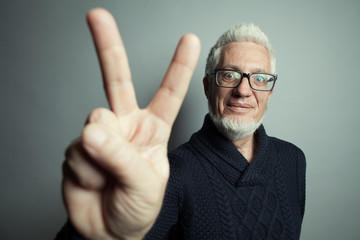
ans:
(245, 56)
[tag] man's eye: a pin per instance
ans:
(229, 75)
(260, 78)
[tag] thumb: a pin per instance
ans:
(112, 152)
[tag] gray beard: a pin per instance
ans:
(234, 129)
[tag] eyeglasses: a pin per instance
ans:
(231, 79)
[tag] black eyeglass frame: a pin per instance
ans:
(242, 76)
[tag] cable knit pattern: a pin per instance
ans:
(223, 206)
(225, 197)
(214, 193)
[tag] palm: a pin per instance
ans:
(121, 181)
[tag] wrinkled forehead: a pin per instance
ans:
(244, 56)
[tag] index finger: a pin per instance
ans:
(171, 93)
(113, 60)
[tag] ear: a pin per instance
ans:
(206, 86)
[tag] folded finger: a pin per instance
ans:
(80, 169)
(84, 208)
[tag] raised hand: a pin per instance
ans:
(116, 173)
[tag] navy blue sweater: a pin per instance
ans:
(214, 193)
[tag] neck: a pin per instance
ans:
(246, 147)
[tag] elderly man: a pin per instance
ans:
(229, 181)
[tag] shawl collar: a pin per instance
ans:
(226, 159)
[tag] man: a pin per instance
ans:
(230, 181)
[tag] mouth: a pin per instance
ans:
(239, 107)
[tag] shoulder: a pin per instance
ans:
(181, 152)
(182, 159)
(287, 154)
(187, 165)
(285, 147)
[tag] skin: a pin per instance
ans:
(115, 174)
(241, 102)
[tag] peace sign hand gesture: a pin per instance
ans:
(116, 173)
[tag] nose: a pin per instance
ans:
(243, 89)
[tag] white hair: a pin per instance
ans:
(246, 32)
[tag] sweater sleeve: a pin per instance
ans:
(302, 181)
(68, 232)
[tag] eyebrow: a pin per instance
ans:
(259, 70)
(236, 68)
(230, 66)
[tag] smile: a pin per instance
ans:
(239, 107)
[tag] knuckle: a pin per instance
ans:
(70, 165)
(68, 172)
(90, 182)
(98, 115)
(72, 148)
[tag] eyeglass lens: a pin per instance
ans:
(258, 81)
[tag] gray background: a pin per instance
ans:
(50, 80)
